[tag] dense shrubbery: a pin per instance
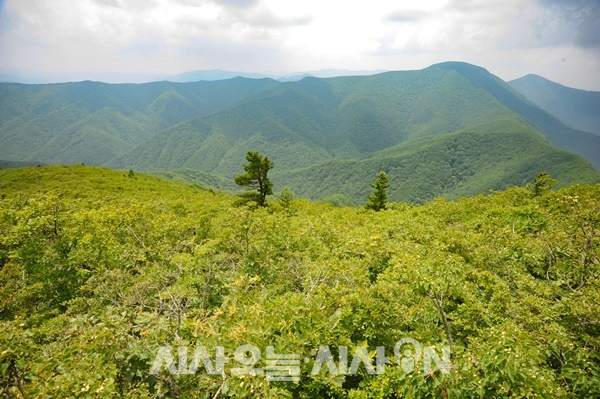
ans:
(98, 270)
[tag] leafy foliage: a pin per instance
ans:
(542, 183)
(98, 271)
(287, 200)
(378, 199)
(256, 178)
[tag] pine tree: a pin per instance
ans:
(542, 183)
(287, 197)
(256, 178)
(378, 199)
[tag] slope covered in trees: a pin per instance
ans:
(99, 270)
(326, 136)
(579, 109)
(454, 165)
(93, 122)
(301, 123)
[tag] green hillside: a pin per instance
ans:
(203, 179)
(300, 123)
(579, 109)
(94, 122)
(579, 142)
(488, 157)
(111, 283)
(329, 137)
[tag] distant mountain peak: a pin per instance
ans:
(460, 66)
(577, 108)
(213, 74)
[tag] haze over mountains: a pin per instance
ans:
(579, 109)
(451, 129)
(190, 76)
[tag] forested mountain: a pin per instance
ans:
(112, 284)
(93, 122)
(213, 74)
(579, 109)
(16, 164)
(459, 164)
(327, 137)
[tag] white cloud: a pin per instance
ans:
(510, 38)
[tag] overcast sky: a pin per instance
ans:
(86, 39)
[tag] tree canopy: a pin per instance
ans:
(542, 183)
(256, 177)
(378, 199)
(100, 273)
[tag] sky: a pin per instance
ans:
(137, 40)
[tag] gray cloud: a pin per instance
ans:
(267, 19)
(574, 22)
(509, 37)
(237, 3)
(236, 56)
(133, 5)
(468, 5)
(406, 16)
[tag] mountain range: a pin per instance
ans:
(452, 130)
(190, 76)
(579, 109)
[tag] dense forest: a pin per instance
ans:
(108, 277)
(452, 129)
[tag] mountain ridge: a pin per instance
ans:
(359, 121)
(182, 77)
(31, 116)
(572, 140)
(579, 109)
